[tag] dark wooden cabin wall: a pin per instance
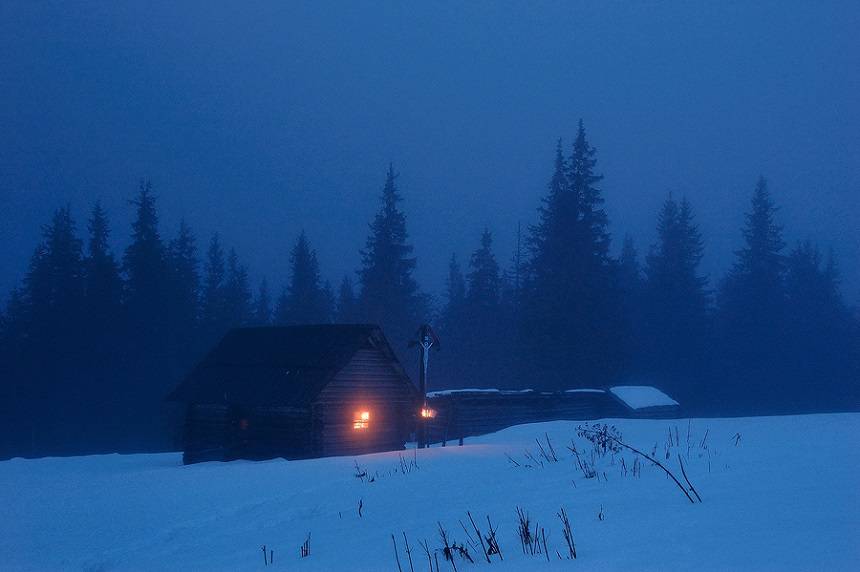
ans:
(369, 382)
(662, 412)
(464, 415)
(207, 433)
(276, 432)
(217, 432)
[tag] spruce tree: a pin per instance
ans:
(184, 298)
(304, 301)
(455, 289)
(631, 294)
(592, 218)
(55, 280)
(484, 279)
(675, 301)
(752, 306)
(346, 302)
(452, 327)
(145, 270)
(389, 294)
(514, 277)
(329, 302)
(103, 282)
(262, 314)
(818, 331)
(214, 320)
(103, 331)
(148, 341)
(237, 293)
(482, 323)
(571, 320)
(756, 278)
(628, 263)
(55, 352)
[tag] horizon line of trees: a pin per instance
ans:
(91, 342)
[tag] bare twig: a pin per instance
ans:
(568, 534)
(408, 552)
(426, 548)
(396, 555)
(683, 472)
(656, 462)
(543, 536)
(491, 540)
(446, 551)
(480, 536)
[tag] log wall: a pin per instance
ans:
(466, 414)
(224, 433)
(368, 383)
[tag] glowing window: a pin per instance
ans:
(362, 420)
(428, 413)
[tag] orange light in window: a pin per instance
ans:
(428, 413)
(362, 420)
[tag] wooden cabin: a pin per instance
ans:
(462, 413)
(297, 392)
(457, 413)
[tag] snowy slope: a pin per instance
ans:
(785, 497)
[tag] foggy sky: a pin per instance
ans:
(261, 119)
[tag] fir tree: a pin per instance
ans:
(304, 301)
(55, 280)
(262, 315)
(481, 324)
(54, 356)
(214, 306)
(103, 282)
(455, 288)
(184, 296)
(514, 277)
(631, 293)
(484, 279)
(675, 302)
(628, 263)
(144, 266)
(819, 335)
(389, 294)
(237, 293)
(103, 331)
(592, 218)
(329, 302)
(346, 302)
(571, 319)
(752, 310)
(149, 364)
(758, 273)
(452, 326)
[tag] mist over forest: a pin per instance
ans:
(94, 339)
(572, 198)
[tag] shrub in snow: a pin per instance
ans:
(603, 437)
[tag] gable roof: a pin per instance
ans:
(278, 366)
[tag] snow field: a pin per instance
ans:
(783, 495)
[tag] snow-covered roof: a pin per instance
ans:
(444, 392)
(642, 396)
(456, 391)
